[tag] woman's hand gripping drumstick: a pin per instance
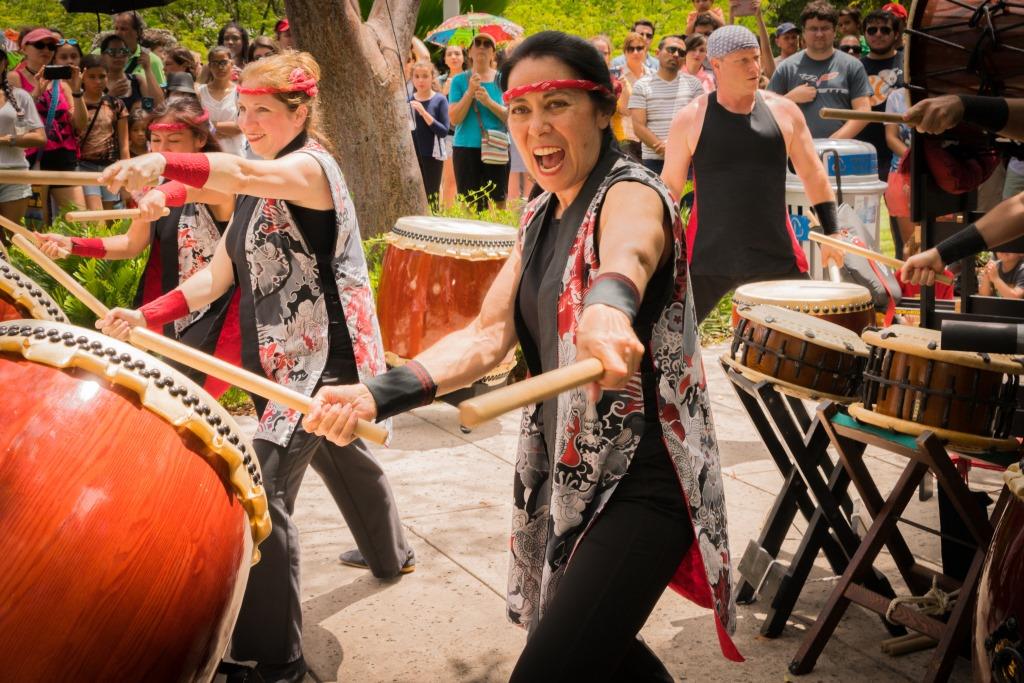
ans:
(868, 254)
(127, 326)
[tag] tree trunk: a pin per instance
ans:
(364, 111)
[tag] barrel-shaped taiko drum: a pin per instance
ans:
(435, 274)
(130, 510)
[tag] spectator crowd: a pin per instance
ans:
(67, 106)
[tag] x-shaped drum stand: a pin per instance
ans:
(924, 454)
(799, 448)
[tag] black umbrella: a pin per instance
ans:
(110, 6)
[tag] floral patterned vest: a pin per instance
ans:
(557, 498)
(290, 309)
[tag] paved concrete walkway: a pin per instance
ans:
(445, 621)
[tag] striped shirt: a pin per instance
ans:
(662, 99)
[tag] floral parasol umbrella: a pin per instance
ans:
(459, 30)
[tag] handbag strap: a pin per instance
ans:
(480, 122)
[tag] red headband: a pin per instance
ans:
(299, 81)
(564, 84)
(202, 118)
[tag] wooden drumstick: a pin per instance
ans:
(106, 215)
(175, 350)
(49, 178)
(534, 390)
(854, 115)
(868, 254)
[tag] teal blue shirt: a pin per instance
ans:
(467, 133)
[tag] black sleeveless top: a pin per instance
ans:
(319, 230)
(740, 218)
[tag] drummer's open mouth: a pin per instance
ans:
(549, 159)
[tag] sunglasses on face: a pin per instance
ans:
(852, 49)
(677, 51)
(66, 41)
(117, 52)
(220, 62)
(647, 36)
(44, 45)
(636, 48)
(482, 42)
(884, 30)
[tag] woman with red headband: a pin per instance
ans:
(617, 490)
(307, 318)
(181, 243)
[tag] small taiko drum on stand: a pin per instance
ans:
(435, 275)
(131, 508)
(843, 303)
(803, 356)
(999, 614)
(911, 386)
(21, 297)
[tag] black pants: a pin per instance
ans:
(708, 290)
(476, 180)
(430, 170)
(269, 626)
(615, 578)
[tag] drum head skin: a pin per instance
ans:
(926, 343)
(805, 326)
(815, 297)
(454, 237)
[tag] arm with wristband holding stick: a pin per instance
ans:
(181, 127)
(1000, 225)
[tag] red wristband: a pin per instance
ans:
(165, 309)
(191, 169)
(90, 247)
(176, 193)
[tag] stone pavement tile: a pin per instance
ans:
(439, 623)
(475, 540)
(497, 437)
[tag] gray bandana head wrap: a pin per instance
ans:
(729, 39)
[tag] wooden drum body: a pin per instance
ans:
(21, 297)
(911, 385)
(436, 272)
(805, 356)
(999, 613)
(843, 303)
(130, 510)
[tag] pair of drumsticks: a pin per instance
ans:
(471, 412)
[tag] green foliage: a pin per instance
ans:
(112, 282)
(237, 402)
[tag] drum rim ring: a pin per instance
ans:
(161, 390)
(788, 388)
(960, 440)
(29, 294)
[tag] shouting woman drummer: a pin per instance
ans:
(307, 319)
(616, 494)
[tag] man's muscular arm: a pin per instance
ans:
(682, 137)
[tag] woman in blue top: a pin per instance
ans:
(475, 98)
(430, 111)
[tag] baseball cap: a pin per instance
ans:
(785, 27)
(37, 34)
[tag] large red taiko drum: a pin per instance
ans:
(999, 614)
(22, 297)
(130, 512)
(435, 275)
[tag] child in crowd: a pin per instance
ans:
(1003, 276)
(430, 111)
(138, 136)
(849, 25)
(102, 129)
(703, 7)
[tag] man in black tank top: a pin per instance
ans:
(738, 139)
